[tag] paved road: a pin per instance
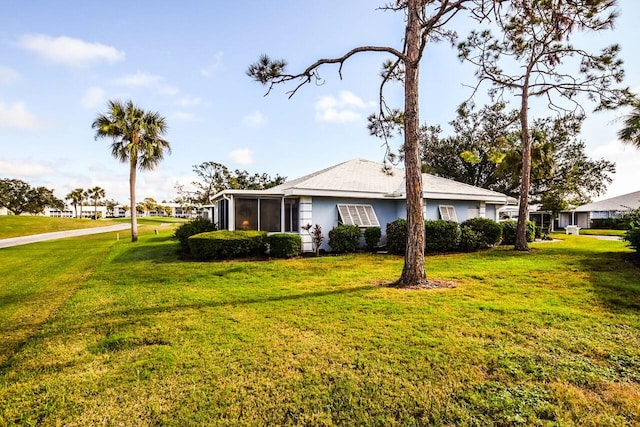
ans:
(16, 241)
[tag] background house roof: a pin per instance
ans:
(620, 203)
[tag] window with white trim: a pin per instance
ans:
(448, 213)
(360, 215)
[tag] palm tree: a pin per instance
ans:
(137, 139)
(76, 197)
(95, 193)
(630, 133)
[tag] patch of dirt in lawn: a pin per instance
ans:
(431, 284)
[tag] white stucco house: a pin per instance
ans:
(604, 209)
(357, 192)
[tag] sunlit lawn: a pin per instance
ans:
(14, 226)
(96, 331)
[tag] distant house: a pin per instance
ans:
(358, 192)
(604, 209)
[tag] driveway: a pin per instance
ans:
(24, 240)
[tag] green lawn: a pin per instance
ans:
(15, 226)
(128, 334)
(598, 232)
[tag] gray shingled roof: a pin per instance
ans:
(614, 204)
(371, 179)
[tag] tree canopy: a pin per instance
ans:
(20, 197)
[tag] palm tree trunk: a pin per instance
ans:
(523, 210)
(413, 272)
(132, 192)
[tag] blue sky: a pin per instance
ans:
(61, 61)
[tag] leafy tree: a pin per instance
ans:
(40, 198)
(486, 150)
(111, 206)
(19, 197)
(137, 139)
(527, 59)
(215, 177)
(630, 133)
(425, 22)
(96, 193)
(76, 197)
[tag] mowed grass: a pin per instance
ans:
(139, 337)
(16, 226)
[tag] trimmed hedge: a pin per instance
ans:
(471, 240)
(441, 235)
(344, 238)
(372, 237)
(224, 244)
(283, 245)
(397, 236)
(489, 231)
(191, 228)
(509, 231)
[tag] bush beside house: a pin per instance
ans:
(224, 244)
(441, 235)
(191, 228)
(344, 238)
(509, 231)
(284, 245)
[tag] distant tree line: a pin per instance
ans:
(19, 197)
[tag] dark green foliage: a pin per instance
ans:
(372, 237)
(489, 231)
(611, 223)
(509, 231)
(344, 238)
(441, 235)
(188, 229)
(397, 236)
(632, 236)
(470, 239)
(224, 244)
(283, 245)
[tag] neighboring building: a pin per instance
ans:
(357, 192)
(604, 209)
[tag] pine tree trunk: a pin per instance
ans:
(413, 272)
(523, 209)
(132, 191)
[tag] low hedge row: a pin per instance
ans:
(284, 245)
(344, 238)
(449, 236)
(224, 244)
(191, 228)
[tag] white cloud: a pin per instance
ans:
(210, 69)
(254, 120)
(93, 97)
(8, 75)
(626, 159)
(69, 51)
(242, 156)
(17, 116)
(22, 169)
(188, 101)
(139, 79)
(345, 108)
(182, 116)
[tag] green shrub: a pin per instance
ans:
(489, 231)
(509, 231)
(344, 238)
(471, 240)
(441, 235)
(225, 244)
(397, 236)
(632, 236)
(188, 229)
(372, 237)
(282, 245)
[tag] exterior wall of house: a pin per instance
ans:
(464, 209)
(325, 213)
